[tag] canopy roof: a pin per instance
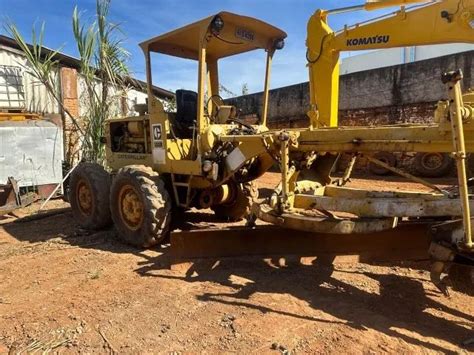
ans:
(240, 34)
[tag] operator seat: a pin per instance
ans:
(186, 113)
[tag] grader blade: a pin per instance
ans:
(410, 241)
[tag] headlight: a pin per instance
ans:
(217, 24)
(279, 44)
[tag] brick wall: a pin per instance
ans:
(69, 92)
(410, 113)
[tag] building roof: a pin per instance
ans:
(239, 34)
(71, 62)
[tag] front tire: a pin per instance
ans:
(140, 206)
(240, 203)
(89, 196)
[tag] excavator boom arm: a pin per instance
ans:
(449, 21)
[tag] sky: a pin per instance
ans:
(143, 19)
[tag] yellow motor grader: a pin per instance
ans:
(162, 161)
(204, 155)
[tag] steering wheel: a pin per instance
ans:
(217, 101)
(242, 123)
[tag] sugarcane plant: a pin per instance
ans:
(103, 61)
(103, 70)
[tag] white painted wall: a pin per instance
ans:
(426, 52)
(31, 151)
(134, 97)
(356, 61)
(37, 97)
(370, 60)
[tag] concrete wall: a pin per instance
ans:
(403, 84)
(371, 60)
(357, 61)
(30, 160)
(401, 93)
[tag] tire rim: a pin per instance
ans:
(130, 207)
(85, 202)
(233, 191)
(432, 161)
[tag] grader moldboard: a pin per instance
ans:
(206, 156)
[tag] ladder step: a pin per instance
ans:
(184, 184)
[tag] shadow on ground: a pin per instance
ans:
(403, 303)
(61, 226)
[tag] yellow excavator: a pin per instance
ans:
(433, 22)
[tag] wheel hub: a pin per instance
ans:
(84, 198)
(131, 207)
(229, 193)
(432, 161)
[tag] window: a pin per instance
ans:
(12, 94)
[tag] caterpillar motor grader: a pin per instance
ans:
(162, 162)
(205, 156)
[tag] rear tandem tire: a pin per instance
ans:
(89, 196)
(432, 164)
(140, 206)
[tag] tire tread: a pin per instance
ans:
(99, 180)
(157, 205)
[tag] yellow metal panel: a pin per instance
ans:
(249, 33)
(371, 5)
(415, 138)
(323, 73)
(382, 207)
(266, 88)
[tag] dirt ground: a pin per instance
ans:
(64, 290)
